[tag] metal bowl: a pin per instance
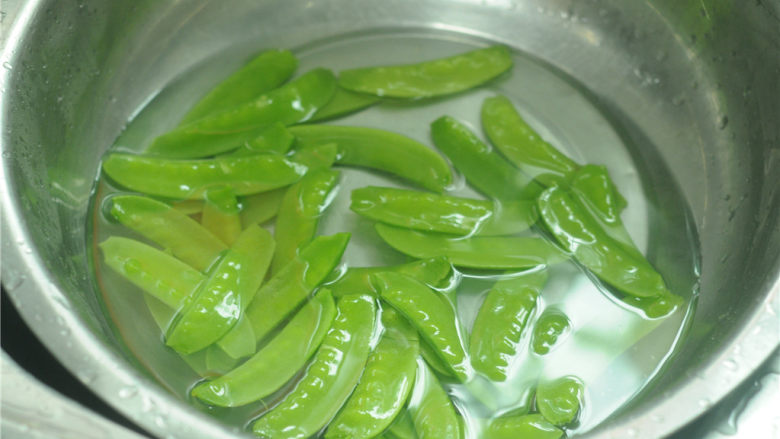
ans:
(698, 81)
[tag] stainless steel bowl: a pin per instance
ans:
(696, 80)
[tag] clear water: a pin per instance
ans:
(613, 350)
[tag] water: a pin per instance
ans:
(612, 349)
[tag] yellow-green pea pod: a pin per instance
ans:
(532, 426)
(332, 376)
(382, 150)
(432, 359)
(501, 322)
(430, 78)
(189, 179)
(442, 213)
(218, 303)
(402, 427)
(433, 413)
(483, 168)
(244, 345)
(560, 400)
(264, 373)
(477, 252)
(263, 73)
(218, 361)
(259, 208)
(316, 157)
(343, 102)
(429, 312)
(518, 141)
(302, 206)
(431, 272)
(162, 314)
(576, 230)
(550, 329)
(655, 307)
(291, 103)
(220, 214)
(384, 386)
(188, 207)
(276, 138)
(168, 227)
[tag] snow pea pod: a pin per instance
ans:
(358, 279)
(442, 213)
(430, 78)
(332, 376)
(402, 427)
(382, 150)
(172, 229)
(501, 321)
(300, 211)
(384, 386)
(259, 208)
(430, 313)
(217, 304)
(263, 73)
(518, 141)
(551, 327)
(434, 415)
(483, 168)
(292, 103)
(432, 359)
(220, 214)
(316, 157)
(532, 426)
(559, 401)
(579, 233)
(276, 138)
(187, 179)
(263, 374)
(342, 103)
(478, 252)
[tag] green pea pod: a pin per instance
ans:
(188, 207)
(559, 401)
(532, 426)
(655, 307)
(430, 78)
(579, 233)
(478, 252)
(218, 303)
(259, 208)
(402, 427)
(501, 321)
(384, 386)
(244, 345)
(330, 379)
(218, 361)
(432, 315)
(518, 141)
(551, 327)
(263, 73)
(434, 415)
(442, 213)
(483, 168)
(382, 150)
(277, 362)
(357, 279)
(300, 212)
(162, 314)
(292, 103)
(276, 138)
(342, 103)
(168, 227)
(317, 157)
(221, 214)
(432, 359)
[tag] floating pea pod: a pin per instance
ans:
(259, 208)
(429, 312)
(579, 233)
(550, 329)
(220, 214)
(483, 168)
(216, 306)
(532, 426)
(358, 279)
(384, 386)
(276, 138)
(263, 374)
(559, 401)
(188, 179)
(263, 73)
(330, 379)
(477, 252)
(434, 415)
(442, 213)
(382, 150)
(342, 103)
(168, 227)
(501, 322)
(430, 78)
(518, 141)
(292, 103)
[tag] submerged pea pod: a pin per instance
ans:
(579, 233)
(292, 103)
(168, 227)
(188, 179)
(550, 329)
(220, 214)
(402, 427)
(430, 78)
(477, 252)
(382, 150)
(432, 315)
(263, 374)
(501, 322)
(559, 401)
(342, 103)
(442, 213)
(532, 426)
(358, 279)
(263, 73)
(518, 141)
(276, 138)
(434, 415)
(259, 208)
(330, 379)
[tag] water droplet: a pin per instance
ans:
(87, 376)
(7, 66)
(6, 154)
(128, 392)
(730, 364)
(705, 403)
(631, 432)
(12, 280)
(723, 121)
(657, 418)
(65, 332)
(160, 421)
(59, 99)
(60, 321)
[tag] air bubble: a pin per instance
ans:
(731, 365)
(7, 66)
